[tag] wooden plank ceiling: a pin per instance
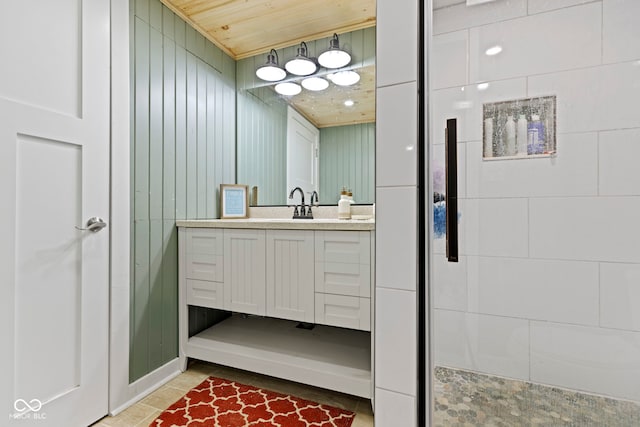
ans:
(245, 28)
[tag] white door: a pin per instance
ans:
(54, 175)
(302, 154)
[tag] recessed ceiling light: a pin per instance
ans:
(288, 88)
(482, 86)
(349, 103)
(494, 50)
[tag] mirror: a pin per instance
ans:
(346, 149)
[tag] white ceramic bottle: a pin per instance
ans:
(521, 136)
(344, 205)
(510, 137)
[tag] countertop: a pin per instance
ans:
(282, 223)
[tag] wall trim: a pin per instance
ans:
(119, 222)
(148, 384)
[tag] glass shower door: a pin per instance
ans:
(537, 320)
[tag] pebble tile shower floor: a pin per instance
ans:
(468, 399)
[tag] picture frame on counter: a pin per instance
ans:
(234, 201)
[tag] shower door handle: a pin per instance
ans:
(451, 189)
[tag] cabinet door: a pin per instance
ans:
(290, 274)
(343, 263)
(244, 271)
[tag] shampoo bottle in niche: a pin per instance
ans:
(344, 205)
(535, 135)
(510, 137)
(521, 135)
(488, 138)
(500, 136)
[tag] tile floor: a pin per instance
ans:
(469, 399)
(146, 410)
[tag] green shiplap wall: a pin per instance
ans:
(262, 142)
(183, 148)
(347, 159)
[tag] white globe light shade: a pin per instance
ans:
(288, 88)
(315, 83)
(300, 66)
(334, 58)
(271, 73)
(345, 78)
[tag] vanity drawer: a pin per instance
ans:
(350, 247)
(343, 311)
(343, 279)
(205, 267)
(205, 294)
(204, 241)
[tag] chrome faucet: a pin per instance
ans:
(300, 212)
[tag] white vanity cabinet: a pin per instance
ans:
(286, 277)
(290, 278)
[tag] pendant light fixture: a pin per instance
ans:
(315, 83)
(334, 57)
(301, 65)
(271, 71)
(288, 88)
(344, 78)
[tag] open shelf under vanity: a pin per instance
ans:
(325, 356)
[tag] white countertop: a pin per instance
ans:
(281, 223)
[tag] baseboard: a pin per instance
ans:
(146, 385)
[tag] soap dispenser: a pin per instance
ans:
(344, 205)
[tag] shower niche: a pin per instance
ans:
(519, 129)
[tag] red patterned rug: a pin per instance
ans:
(218, 402)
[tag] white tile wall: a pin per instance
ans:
(395, 344)
(620, 296)
(495, 227)
(394, 409)
(596, 360)
(537, 6)
(460, 16)
(597, 98)
(450, 52)
(621, 32)
(619, 170)
(573, 172)
(541, 44)
(397, 29)
(449, 283)
(396, 181)
(558, 291)
(439, 4)
(396, 129)
(495, 345)
(396, 242)
(465, 104)
(585, 228)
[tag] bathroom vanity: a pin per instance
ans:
(299, 293)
